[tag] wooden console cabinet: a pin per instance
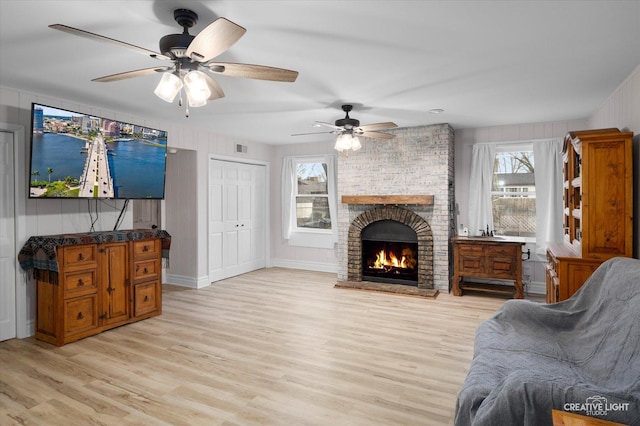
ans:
(98, 286)
(598, 208)
(487, 258)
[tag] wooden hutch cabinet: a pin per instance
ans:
(598, 208)
(88, 283)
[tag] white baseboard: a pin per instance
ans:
(29, 330)
(184, 281)
(308, 266)
(536, 287)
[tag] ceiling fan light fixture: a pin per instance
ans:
(169, 86)
(347, 141)
(196, 88)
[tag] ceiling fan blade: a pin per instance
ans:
(259, 72)
(130, 74)
(323, 123)
(216, 90)
(378, 126)
(92, 36)
(314, 133)
(217, 37)
(377, 135)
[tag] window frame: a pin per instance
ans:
(294, 197)
(309, 237)
(520, 193)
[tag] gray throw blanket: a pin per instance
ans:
(581, 355)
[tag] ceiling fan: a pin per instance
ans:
(348, 125)
(190, 56)
(348, 129)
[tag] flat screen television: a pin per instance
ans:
(76, 155)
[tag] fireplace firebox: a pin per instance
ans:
(390, 253)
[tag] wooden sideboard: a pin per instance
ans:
(95, 282)
(487, 257)
(566, 271)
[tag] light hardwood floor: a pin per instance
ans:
(272, 347)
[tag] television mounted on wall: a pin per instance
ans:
(76, 155)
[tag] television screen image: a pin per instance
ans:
(75, 155)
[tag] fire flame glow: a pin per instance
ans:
(383, 260)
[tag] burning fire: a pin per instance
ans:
(383, 260)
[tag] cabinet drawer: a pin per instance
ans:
(144, 270)
(81, 314)
(470, 264)
(146, 249)
(502, 267)
(79, 283)
(145, 298)
(82, 255)
(502, 251)
(471, 249)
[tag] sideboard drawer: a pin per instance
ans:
(471, 250)
(470, 264)
(145, 249)
(81, 314)
(144, 270)
(81, 255)
(502, 267)
(145, 298)
(79, 283)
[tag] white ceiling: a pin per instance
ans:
(485, 63)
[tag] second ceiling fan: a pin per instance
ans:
(351, 126)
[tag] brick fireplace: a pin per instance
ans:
(394, 214)
(417, 163)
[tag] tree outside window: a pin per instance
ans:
(312, 196)
(513, 194)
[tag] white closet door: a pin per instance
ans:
(237, 214)
(7, 240)
(216, 221)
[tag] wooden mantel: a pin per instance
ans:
(388, 199)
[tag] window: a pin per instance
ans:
(309, 201)
(513, 192)
(312, 196)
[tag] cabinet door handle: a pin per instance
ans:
(145, 248)
(80, 316)
(145, 271)
(146, 298)
(110, 290)
(80, 256)
(80, 282)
